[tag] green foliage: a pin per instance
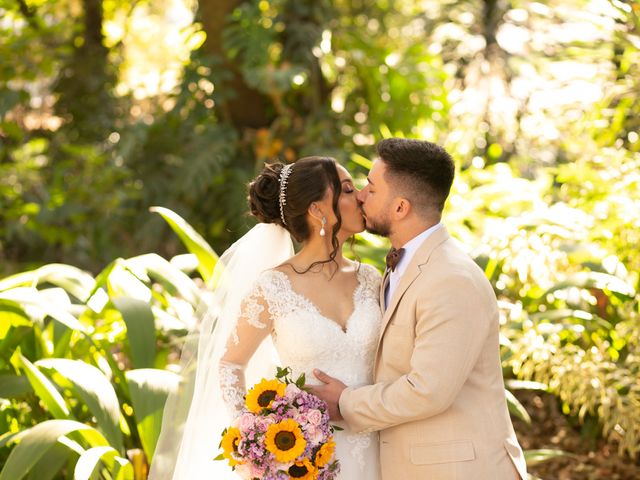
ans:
(571, 304)
(207, 258)
(534, 457)
(149, 390)
(82, 364)
(536, 101)
(36, 442)
(138, 318)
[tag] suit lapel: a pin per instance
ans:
(383, 288)
(413, 271)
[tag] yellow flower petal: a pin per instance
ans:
(285, 440)
(262, 395)
(302, 470)
(230, 440)
(325, 453)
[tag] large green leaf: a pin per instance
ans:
(49, 465)
(525, 385)
(90, 459)
(197, 245)
(103, 277)
(141, 330)
(534, 457)
(185, 262)
(362, 161)
(95, 390)
(45, 390)
(149, 390)
(14, 386)
(602, 281)
(127, 280)
(516, 408)
(32, 297)
(15, 325)
(8, 437)
(18, 280)
(36, 442)
(75, 281)
(61, 339)
(11, 315)
(171, 277)
(585, 318)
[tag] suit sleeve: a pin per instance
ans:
(452, 325)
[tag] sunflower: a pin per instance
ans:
(303, 470)
(262, 394)
(230, 439)
(285, 440)
(325, 453)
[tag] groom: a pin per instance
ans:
(438, 399)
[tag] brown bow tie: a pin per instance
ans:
(393, 258)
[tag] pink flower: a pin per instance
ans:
(291, 391)
(246, 421)
(249, 470)
(314, 435)
(314, 417)
(264, 422)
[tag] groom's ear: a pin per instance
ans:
(401, 208)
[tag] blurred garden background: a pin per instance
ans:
(128, 132)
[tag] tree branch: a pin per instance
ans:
(29, 14)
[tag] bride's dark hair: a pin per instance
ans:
(308, 181)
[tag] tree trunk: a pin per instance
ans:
(248, 107)
(86, 82)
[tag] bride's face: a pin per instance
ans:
(348, 206)
(352, 219)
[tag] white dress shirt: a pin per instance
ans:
(410, 249)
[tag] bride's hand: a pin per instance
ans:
(329, 392)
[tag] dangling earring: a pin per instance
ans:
(322, 232)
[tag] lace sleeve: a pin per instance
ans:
(254, 325)
(372, 278)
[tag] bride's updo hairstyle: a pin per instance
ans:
(308, 181)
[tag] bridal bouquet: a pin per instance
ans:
(283, 432)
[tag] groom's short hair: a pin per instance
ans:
(419, 170)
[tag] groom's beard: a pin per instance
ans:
(380, 227)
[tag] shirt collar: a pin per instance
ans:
(412, 246)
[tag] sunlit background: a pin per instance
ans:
(110, 107)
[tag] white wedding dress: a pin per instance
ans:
(305, 340)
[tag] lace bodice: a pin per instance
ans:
(305, 339)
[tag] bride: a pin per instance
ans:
(314, 309)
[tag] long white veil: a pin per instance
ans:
(195, 415)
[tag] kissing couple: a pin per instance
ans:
(408, 362)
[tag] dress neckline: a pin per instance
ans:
(315, 308)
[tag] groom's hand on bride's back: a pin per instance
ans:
(329, 392)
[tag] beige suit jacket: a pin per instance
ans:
(439, 399)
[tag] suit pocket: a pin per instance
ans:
(448, 452)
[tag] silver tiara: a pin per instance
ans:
(284, 177)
